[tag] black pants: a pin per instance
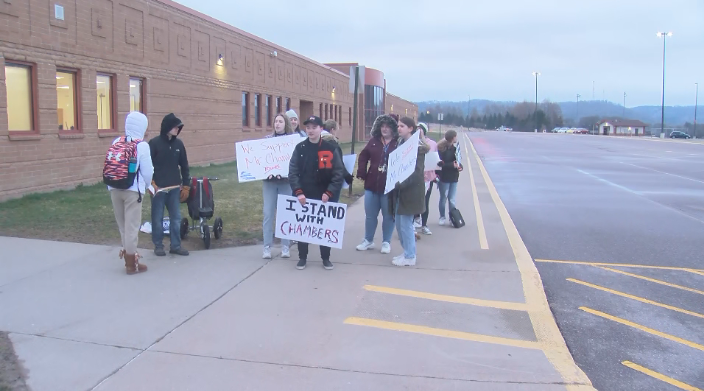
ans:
(303, 251)
(424, 216)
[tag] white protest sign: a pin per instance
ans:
(349, 161)
(315, 222)
(257, 159)
(431, 161)
(402, 162)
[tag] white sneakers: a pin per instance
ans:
(366, 245)
(426, 231)
(386, 248)
(417, 223)
(267, 253)
(443, 221)
(401, 260)
(285, 252)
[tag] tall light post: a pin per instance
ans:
(696, 100)
(624, 105)
(578, 96)
(536, 74)
(662, 110)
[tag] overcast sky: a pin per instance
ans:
(449, 49)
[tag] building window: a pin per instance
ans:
(267, 107)
(326, 112)
(136, 93)
(320, 111)
(20, 102)
(245, 109)
(66, 100)
(373, 105)
(257, 110)
(278, 105)
(288, 104)
(340, 114)
(105, 101)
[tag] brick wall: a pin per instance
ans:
(403, 108)
(175, 50)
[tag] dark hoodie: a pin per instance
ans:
(375, 154)
(169, 155)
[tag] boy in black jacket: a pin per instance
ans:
(315, 172)
(171, 175)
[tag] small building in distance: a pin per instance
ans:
(621, 127)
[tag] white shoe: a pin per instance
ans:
(386, 248)
(427, 231)
(285, 252)
(267, 253)
(403, 261)
(442, 221)
(417, 223)
(366, 245)
(397, 258)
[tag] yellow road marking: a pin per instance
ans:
(643, 328)
(483, 243)
(660, 376)
(623, 265)
(541, 317)
(503, 305)
(651, 280)
(637, 298)
(410, 328)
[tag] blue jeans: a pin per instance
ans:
(448, 192)
(172, 201)
(407, 235)
(373, 203)
(270, 193)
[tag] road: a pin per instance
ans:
(582, 203)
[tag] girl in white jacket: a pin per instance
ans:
(127, 203)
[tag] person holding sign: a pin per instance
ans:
(315, 172)
(450, 172)
(430, 177)
(372, 169)
(408, 197)
(271, 188)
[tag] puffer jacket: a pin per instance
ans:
(375, 154)
(409, 195)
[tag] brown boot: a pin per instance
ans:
(132, 265)
(122, 253)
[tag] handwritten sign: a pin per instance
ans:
(431, 161)
(257, 159)
(402, 162)
(315, 222)
(349, 161)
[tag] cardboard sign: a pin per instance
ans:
(315, 222)
(431, 161)
(402, 162)
(257, 159)
(349, 161)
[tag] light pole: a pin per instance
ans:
(696, 100)
(578, 96)
(662, 110)
(536, 74)
(624, 106)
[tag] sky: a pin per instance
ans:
(457, 49)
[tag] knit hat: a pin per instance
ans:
(423, 126)
(291, 114)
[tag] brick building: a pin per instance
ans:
(71, 70)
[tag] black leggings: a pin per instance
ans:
(303, 251)
(424, 216)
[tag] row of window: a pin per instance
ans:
(20, 79)
(328, 111)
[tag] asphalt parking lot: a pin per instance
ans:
(616, 227)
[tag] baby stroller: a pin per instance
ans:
(201, 208)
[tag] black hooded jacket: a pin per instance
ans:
(169, 155)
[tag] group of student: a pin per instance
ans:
(316, 171)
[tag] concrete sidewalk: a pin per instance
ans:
(470, 315)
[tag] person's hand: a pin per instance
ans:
(302, 199)
(457, 165)
(278, 177)
(398, 185)
(270, 177)
(325, 198)
(185, 192)
(460, 168)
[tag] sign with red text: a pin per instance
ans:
(402, 162)
(257, 159)
(315, 222)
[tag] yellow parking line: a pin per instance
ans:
(637, 298)
(622, 265)
(643, 328)
(651, 280)
(660, 376)
(483, 243)
(410, 328)
(541, 317)
(503, 305)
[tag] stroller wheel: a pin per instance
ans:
(184, 228)
(205, 229)
(217, 228)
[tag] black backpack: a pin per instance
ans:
(456, 218)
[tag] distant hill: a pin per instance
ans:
(674, 115)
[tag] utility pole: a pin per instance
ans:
(536, 74)
(624, 106)
(354, 113)
(662, 112)
(578, 96)
(696, 100)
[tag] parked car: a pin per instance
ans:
(679, 134)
